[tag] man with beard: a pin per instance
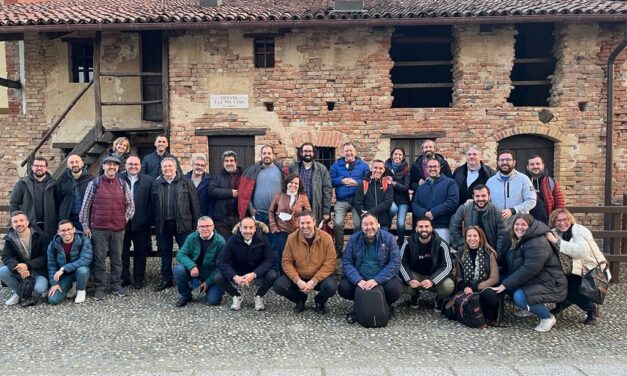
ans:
(258, 185)
(376, 197)
(426, 264)
(314, 176)
(224, 191)
(151, 165)
(471, 174)
(480, 212)
(201, 178)
(107, 208)
(70, 190)
(418, 173)
(511, 190)
(549, 195)
(34, 194)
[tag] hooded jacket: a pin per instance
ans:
(515, 193)
(440, 257)
(239, 258)
(14, 253)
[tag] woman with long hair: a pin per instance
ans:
(399, 179)
(574, 241)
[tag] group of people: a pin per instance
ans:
(474, 230)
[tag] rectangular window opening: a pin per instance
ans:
(82, 62)
(323, 154)
(264, 52)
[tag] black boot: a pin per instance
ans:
(559, 307)
(590, 318)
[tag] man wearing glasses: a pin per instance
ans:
(316, 180)
(511, 191)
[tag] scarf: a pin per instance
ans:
(293, 196)
(477, 270)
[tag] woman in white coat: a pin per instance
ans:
(576, 241)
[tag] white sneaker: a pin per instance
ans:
(80, 296)
(237, 303)
(13, 300)
(521, 313)
(545, 324)
(259, 305)
(72, 292)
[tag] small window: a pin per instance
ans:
(534, 63)
(264, 52)
(423, 62)
(82, 58)
(412, 146)
(324, 155)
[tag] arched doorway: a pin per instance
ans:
(526, 145)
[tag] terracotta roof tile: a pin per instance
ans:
(166, 11)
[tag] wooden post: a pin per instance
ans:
(97, 89)
(165, 84)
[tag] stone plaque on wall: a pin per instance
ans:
(229, 101)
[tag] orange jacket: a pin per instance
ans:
(300, 261)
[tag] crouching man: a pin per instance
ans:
(69, 256)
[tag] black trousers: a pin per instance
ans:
(266, 283)
(141, 240)
(393, 290)
(285, 287)
(574, 297)
(490, 304)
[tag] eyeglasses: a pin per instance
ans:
(432, 167)
(506, 160)
(63, 230)
(206, 226)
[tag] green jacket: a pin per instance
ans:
(191, 250)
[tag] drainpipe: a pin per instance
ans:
(609, 148)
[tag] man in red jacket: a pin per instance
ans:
(549, 195)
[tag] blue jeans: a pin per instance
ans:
(401, 210)
(539, 309)
(277, 241)
(342, 208)
(12, 280)
(81, 275)
(262, 217)
(186, 283)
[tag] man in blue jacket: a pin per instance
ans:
(371, 258)
(69, 257)
(199, 176)
(436, 199)
(347, 174)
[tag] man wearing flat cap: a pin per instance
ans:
(107, 207)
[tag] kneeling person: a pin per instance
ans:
(426, 263)
(69, 256)
(371, 258)
(308, 262)
(197, 263)
(246, 257)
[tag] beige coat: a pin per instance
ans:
(582, 248)
(300, 261)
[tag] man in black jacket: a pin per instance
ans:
(34, 194)
(418, 173)
(246, 257)
(24, 256)
(70, 190)
(176, 208)
(375, 196)
(223, 190)
(138, 228)
(471, 174)
(151, 165)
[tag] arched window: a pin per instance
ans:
(526, 145)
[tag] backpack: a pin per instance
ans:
(466, 309)
(366, 183)
(96, 182)
(370, 309)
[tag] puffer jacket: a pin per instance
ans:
(340, 170)
(81, 255)
(387, 250)
(401, 178)
(533, 266)
(581, 247)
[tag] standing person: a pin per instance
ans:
(477, 271)
(283, 214)
(69, 258)
(121, 150)
(258, 185)
(376, 195)
(201, 179)
(436, 199)
(316, 181)
(347, 174)
(224, 191)
(511, 191)
(246, 257)
(399, 169)
(549, 195)
(70, 190)
(151, 165)
(419, 174)
(24, 256)
(106, 209)
(176, 209)
(575, 241)
(34, 194)
(534, 273)
(138, 228)
(197, 264)
(309, 264)
(471, 174)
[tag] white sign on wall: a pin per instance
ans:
(229, 101)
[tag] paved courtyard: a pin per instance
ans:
(145, 333)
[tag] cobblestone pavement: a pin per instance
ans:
(145, 333)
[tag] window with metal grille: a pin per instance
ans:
(423, 62)
(82, 57)
(324, 155)
(264, 52)
(534, 63)
(412, 146)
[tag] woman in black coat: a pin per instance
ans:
(398, 177)
(535, 275)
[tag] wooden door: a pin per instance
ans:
(244, 146)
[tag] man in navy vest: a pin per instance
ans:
(107, 207)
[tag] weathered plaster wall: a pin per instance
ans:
(4, 95)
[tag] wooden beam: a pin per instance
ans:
(230, 132)
(11, 37)
(11, 84)
(531, 83)
(422, 86)
(597, 209)
(97, 89)
(131, 103)
(422, 63)
(130, 74)
(165, 83)
(404, 40)
(424, 135)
